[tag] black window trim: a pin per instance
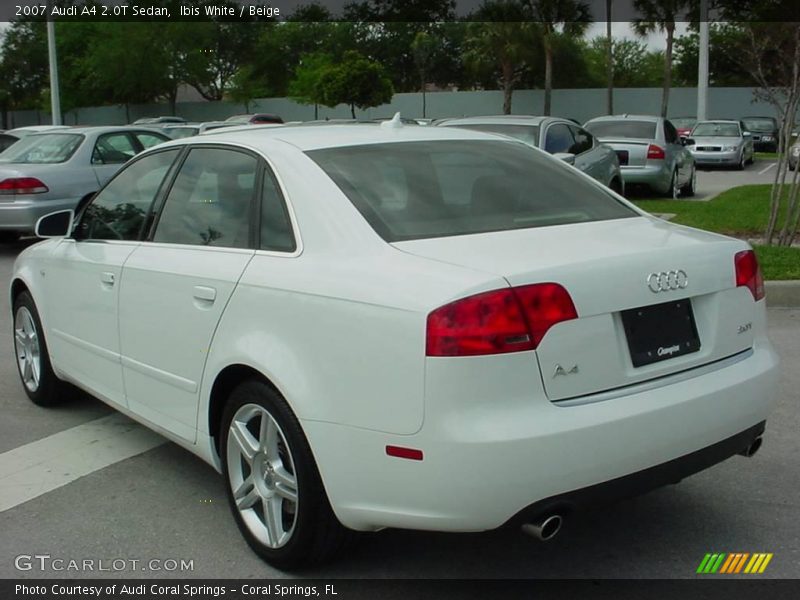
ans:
(167, 177)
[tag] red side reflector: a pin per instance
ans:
(655, 152)
(22, 185)
(748, 273)
(400, 452)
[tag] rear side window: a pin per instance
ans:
(113, 148)
(148, 140)
(118, 212)
(210, 203)
(413, 190)
(645, 130)
(670, 133)
(276, 229)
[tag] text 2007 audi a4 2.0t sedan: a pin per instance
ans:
(369, 326)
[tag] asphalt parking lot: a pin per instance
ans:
(165, 504)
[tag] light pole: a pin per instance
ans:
(55, 100)
(702, 63)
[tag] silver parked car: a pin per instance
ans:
(794, 154)
(46, 172)
(560, 137)
(650, 152)
(721, 143)
(177, 132)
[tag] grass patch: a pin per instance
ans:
(767, 155)
(741, 212)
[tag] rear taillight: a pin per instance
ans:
(22, 185)
(655, 152)
(748, 273)
(496, 322)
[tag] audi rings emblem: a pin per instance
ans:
(667, 281)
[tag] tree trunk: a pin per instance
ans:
(423, 86)
(508, 87)
(127, 113)
(353, 111)
(667, 69)
(548, 72)
(609, 61)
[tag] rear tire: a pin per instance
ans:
(274, 488)
(33, 361)
(688, 189)
(740, 164)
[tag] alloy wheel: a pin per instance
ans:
(26, 344)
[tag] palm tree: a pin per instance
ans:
(661, 15)
(502, 41)
(572, 16)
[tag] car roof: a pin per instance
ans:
(733, 121)
(531, 120)
(100, 129)
(339, 135)
(649, 118)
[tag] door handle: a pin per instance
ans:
(107, 278)
(207, 294)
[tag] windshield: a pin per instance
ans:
(43, 148)
(683, 123)
(177, 133)
(414, 190)
(716, 130)
(645, 130)
(760, 124)
(524, 133)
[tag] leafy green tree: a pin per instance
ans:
(727, 42)
(661, 15)
(305, 87)
(634, 64)
(356, 81)
(24, 67)
(500, 42)
(423, 47)
(572, 17)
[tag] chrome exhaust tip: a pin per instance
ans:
(752, 448)
(544, 530)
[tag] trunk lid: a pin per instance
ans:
(631, 152)
(605, 267)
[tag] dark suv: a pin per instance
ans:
(766, 132)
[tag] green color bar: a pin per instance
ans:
(701, 568)
(718, 564)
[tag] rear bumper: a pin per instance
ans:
(490, 454)
(657, 177)
(22, 213)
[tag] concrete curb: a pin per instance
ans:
(783, 294)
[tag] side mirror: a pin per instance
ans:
(567, 157)
(54, 225)
(746, 134)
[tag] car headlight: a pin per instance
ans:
(766, 138)
(796, 151)
(730, 148)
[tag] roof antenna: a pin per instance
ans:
(394, 123)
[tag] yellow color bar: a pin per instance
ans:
(764, 564)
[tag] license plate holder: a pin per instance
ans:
(660, 332)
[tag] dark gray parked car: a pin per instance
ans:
(650, 152)
(560, 137)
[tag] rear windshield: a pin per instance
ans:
(414, 190)
(716, 130)
(43, 148)
(524, 133)
(177, 133)
(760, 124)
(681, 123)
(645, 130)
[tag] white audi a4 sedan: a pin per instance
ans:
(371, 326)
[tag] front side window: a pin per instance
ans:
(113, 149)
(414, 190)
(583, 140)
(118, 212)
(210, 203)
(43, 149)
(558, 139)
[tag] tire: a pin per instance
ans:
(33, 361)
(615, 185)
(673, 191)
(688, 189)
(9, 237)
(284, 481)
(740, 164)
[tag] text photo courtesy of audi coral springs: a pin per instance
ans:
(371, 342)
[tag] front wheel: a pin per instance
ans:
(689, 187)
(33, 362)
(274, 488)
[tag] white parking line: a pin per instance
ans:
(767, 168)
(44, 465)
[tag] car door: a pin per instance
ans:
(590, 157)
(679, 156)
(111, 151)
(176, 285)
(83, 276)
